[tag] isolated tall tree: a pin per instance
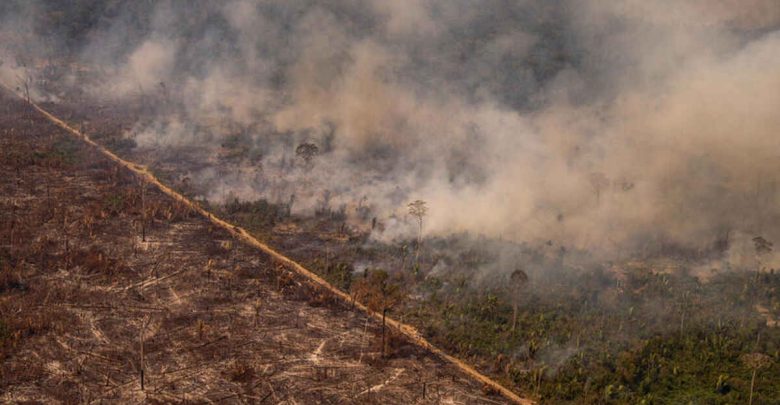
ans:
(324, 202)
(418, 210)
(517, 281)
(755, 361)
(307, 152)
(599, 182)
(142, 184)
(684, 303)
(24, 83)
(763, 247)
(142, 360)
(164, 91)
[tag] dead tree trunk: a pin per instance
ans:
(752, 385)
(143, 212)
(67, 240)
(48, 194)
(141, 347)
(384, 314)
(12, 227)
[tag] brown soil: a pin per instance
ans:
(87, 305)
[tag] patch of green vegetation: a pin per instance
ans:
(63, 152)
(120, 145)
(114, 203)
(634, 336)
(339, 274)
(236, 141)
(255, 216)
(239, 146)
(612, 354)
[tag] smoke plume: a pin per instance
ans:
(608, 126)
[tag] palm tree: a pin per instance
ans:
(755, 361)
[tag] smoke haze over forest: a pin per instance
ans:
(606, 126)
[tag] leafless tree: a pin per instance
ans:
(517, 282)
(143, 210)
(598, 181)
(763, 247)
(684, 303)
(418, 210)
(24, 82)
(141, 332)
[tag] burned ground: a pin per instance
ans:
(104, 279)
(651, 328)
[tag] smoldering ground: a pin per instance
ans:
(611, 127)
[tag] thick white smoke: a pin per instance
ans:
(609, 126)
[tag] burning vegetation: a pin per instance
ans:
(578, 198)
(111, 291)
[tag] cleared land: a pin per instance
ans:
(104, 279)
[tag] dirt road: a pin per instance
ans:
(114, 292)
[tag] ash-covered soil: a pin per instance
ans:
(104, 279)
